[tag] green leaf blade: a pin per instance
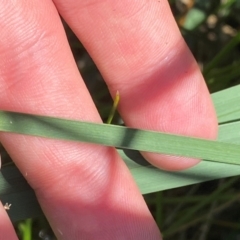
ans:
(119, 136)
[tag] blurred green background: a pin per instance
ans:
(209, 210)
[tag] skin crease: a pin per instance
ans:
(86, 191)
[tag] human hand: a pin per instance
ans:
(86, 191)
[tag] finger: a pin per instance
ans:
(6, 227)
(140, 52)
(85, 190)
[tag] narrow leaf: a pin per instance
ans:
(119, 136)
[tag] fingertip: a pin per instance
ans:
(178, 163)
(170, 163)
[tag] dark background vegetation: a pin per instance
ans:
(203, 211)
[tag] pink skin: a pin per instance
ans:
(6, 228)
(86, 191)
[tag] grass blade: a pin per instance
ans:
(119, 136)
